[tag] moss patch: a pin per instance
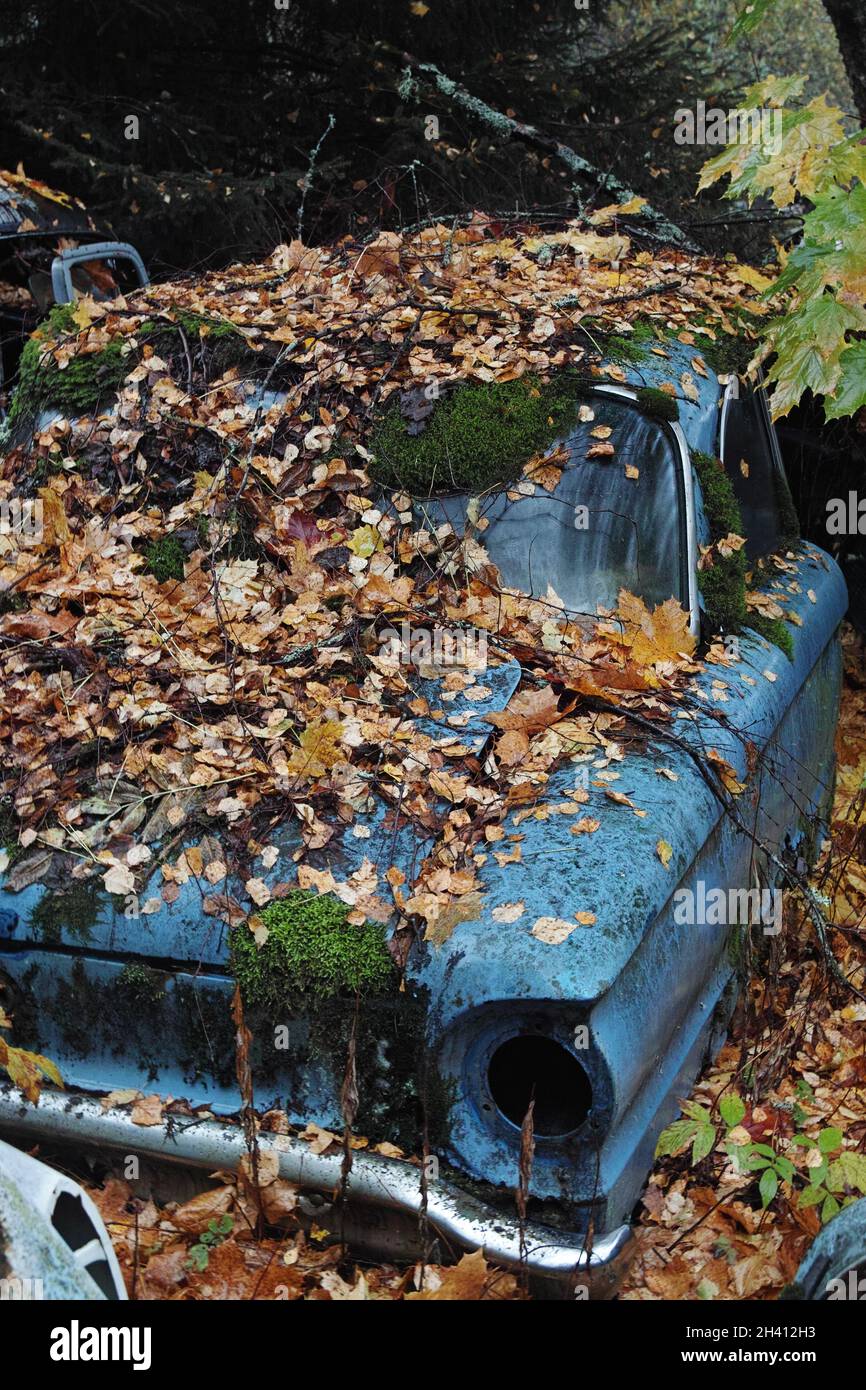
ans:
(79, 387)
(89, 378)
(723, 585)
(726, 355)
(311, 950)
(9, 828)
(658, 404)
(623, 349)
(221, 343)
(72, 911)
(165, 559)
(141, 983)
(774, 630)
(476, 438)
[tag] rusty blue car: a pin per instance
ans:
(601, 1037)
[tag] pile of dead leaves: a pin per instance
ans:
(211, 1247)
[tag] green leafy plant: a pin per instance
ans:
(829, 1179)
(773, 1167)
(805, 151)
(696, 1128)
(217, 1230)
(828, 1182)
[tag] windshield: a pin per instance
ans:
(607, 514)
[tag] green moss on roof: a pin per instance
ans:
(224, 344)
(725, 353)
(658, 404)
(623, 349)
(728, 354)
(478, 437)
(311, 950)
(76, 389)
(89, 378)
(723, 584)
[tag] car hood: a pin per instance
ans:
(494, 942)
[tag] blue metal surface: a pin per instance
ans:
(834, 1267)
(647, 987)
(699, 418)
(653, 994)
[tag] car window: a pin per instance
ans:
(105, 278)
(612, 521)
(756, 478)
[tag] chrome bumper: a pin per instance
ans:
(384, 1204)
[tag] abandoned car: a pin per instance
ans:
(639, 720)
(50, 253)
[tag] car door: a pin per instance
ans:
(796, 771)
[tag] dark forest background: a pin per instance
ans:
(240, 104)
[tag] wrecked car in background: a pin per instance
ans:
(441, 694)
(51, 252)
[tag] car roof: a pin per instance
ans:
(30, 208)
(699, 417)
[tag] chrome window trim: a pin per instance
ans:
(689, 498)
(732, 393)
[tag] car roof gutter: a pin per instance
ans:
(52, 233)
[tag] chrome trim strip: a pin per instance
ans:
(732, 393)
(559, 1257)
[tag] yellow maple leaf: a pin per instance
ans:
(654, 637)
(27, 1070)
(319, 748)
(82, 313)
(364, 541)
(750, 276)
(607, 214)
